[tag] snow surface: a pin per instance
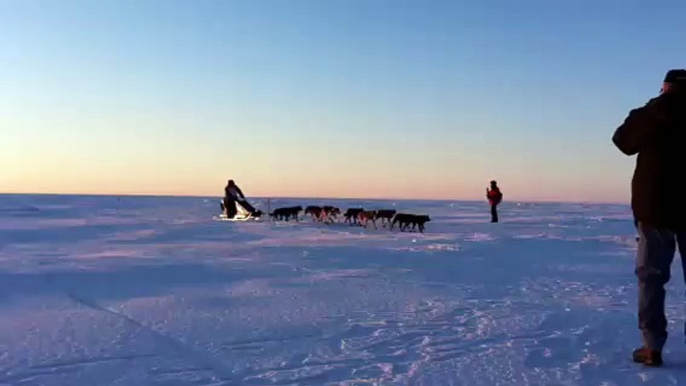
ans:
(152, 291)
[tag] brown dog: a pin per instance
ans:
(315, 211)
(330, 214)
(366, 216)
(351, 215)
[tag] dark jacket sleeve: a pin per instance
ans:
(637, 128)
(240, 193)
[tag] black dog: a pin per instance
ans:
(351, 215)
(287, 213)
(405, 220)
(402, 220)
(420, 221)
(385, 216)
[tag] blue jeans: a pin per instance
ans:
(656, 250)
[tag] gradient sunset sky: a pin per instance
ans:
(331, 98)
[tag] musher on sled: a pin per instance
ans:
(233, 198)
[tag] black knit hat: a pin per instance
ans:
(675, 76)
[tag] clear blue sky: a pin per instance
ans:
(362, 98)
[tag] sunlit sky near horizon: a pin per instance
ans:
(358, 98)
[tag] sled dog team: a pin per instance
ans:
(354, 216)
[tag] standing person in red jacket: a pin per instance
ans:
(494, 198)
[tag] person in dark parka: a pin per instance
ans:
(656, 133)
(234, 195)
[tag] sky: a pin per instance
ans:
(335, 98)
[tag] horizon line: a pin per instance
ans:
(524, 201)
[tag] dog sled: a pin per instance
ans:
(242, 214)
